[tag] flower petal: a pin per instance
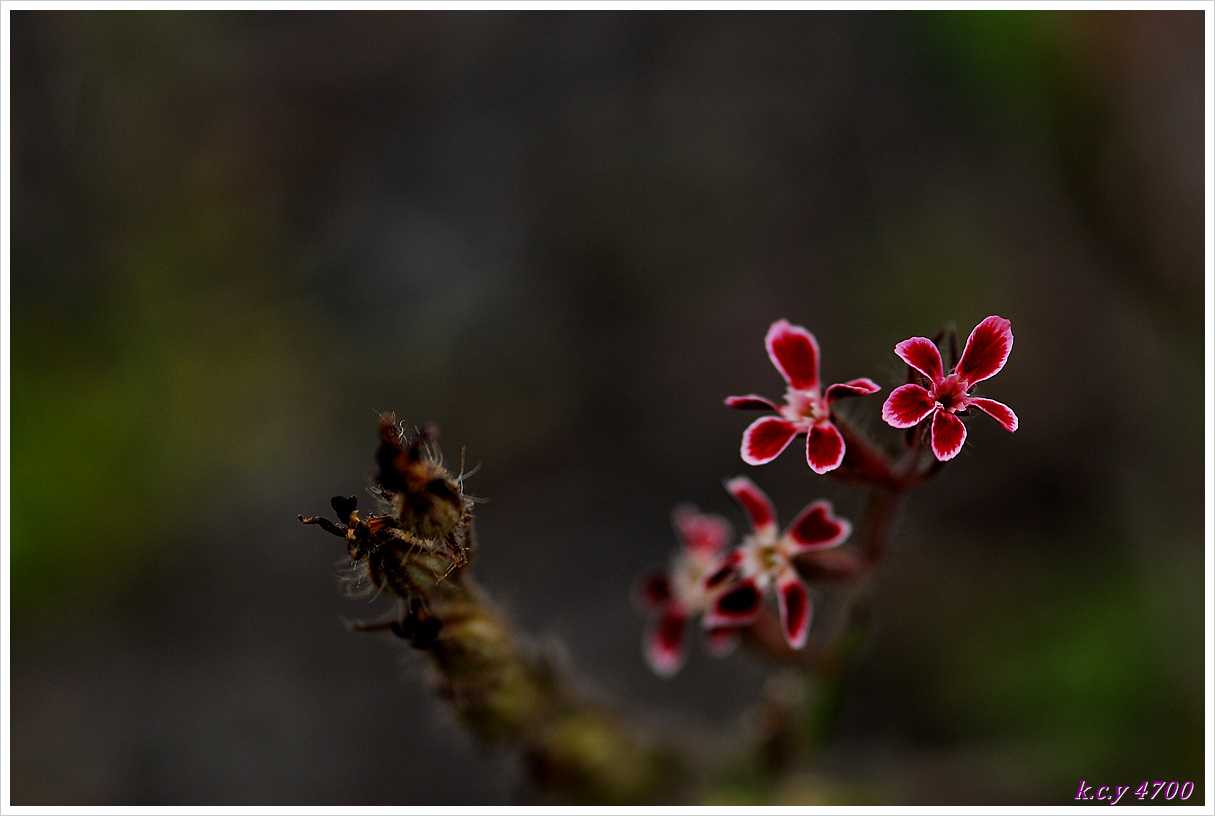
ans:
(652, 590)
(665, 643)
(702, 534)
(752, 401)
(907, 405)
(948, 434)
(795, 610)
(721, 574)
(765, 438)
(737, 607)
(720, 641)
(816, 528)
(794, 352)
(922, 354)
(754, 501)
(852, 388)
(986, 351)
(996, 410)
(824, 447)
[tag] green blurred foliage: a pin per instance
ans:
(159, 354)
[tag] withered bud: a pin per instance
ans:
(345, 507)
(427, 501)
(423, 540)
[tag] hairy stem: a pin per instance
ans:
(509, 695)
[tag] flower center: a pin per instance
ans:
(804, 408)
(767, 553)
(685, 576)
(950, 394)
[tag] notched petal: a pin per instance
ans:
(723, 573)
(721, 641)
(652, 590)
(794, 352)
(986, 351)
(817, 528)
(765, 438)
(752, 401)
(700, 533)
(922, 354)
(824, 447)
(795, 610)
(754, 501)
(737, 607)
(853, 388)
(665, 644)
(907, 405)
(948, 434)
(998, 411)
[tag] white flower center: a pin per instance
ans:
(767, 555)
(686, 576)
(804, 409)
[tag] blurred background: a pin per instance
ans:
(236, 237)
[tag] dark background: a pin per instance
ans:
(236, 237)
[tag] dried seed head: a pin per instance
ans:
(425, 498)
(425, 537)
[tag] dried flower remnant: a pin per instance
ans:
(807, 409)
(425, 536)
(678, 594)
(766, 557)
(945, 397)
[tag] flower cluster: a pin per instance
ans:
(726, 587)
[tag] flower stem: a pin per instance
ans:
(511, 696)
(878, 524)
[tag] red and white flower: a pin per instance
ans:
(680, 593)
(948, 395)
(766, 558)
(807, 408)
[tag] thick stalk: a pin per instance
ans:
(509, 695)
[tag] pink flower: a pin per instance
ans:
(678, 594)
(807, 410)
(948, 395)
(766, 557)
